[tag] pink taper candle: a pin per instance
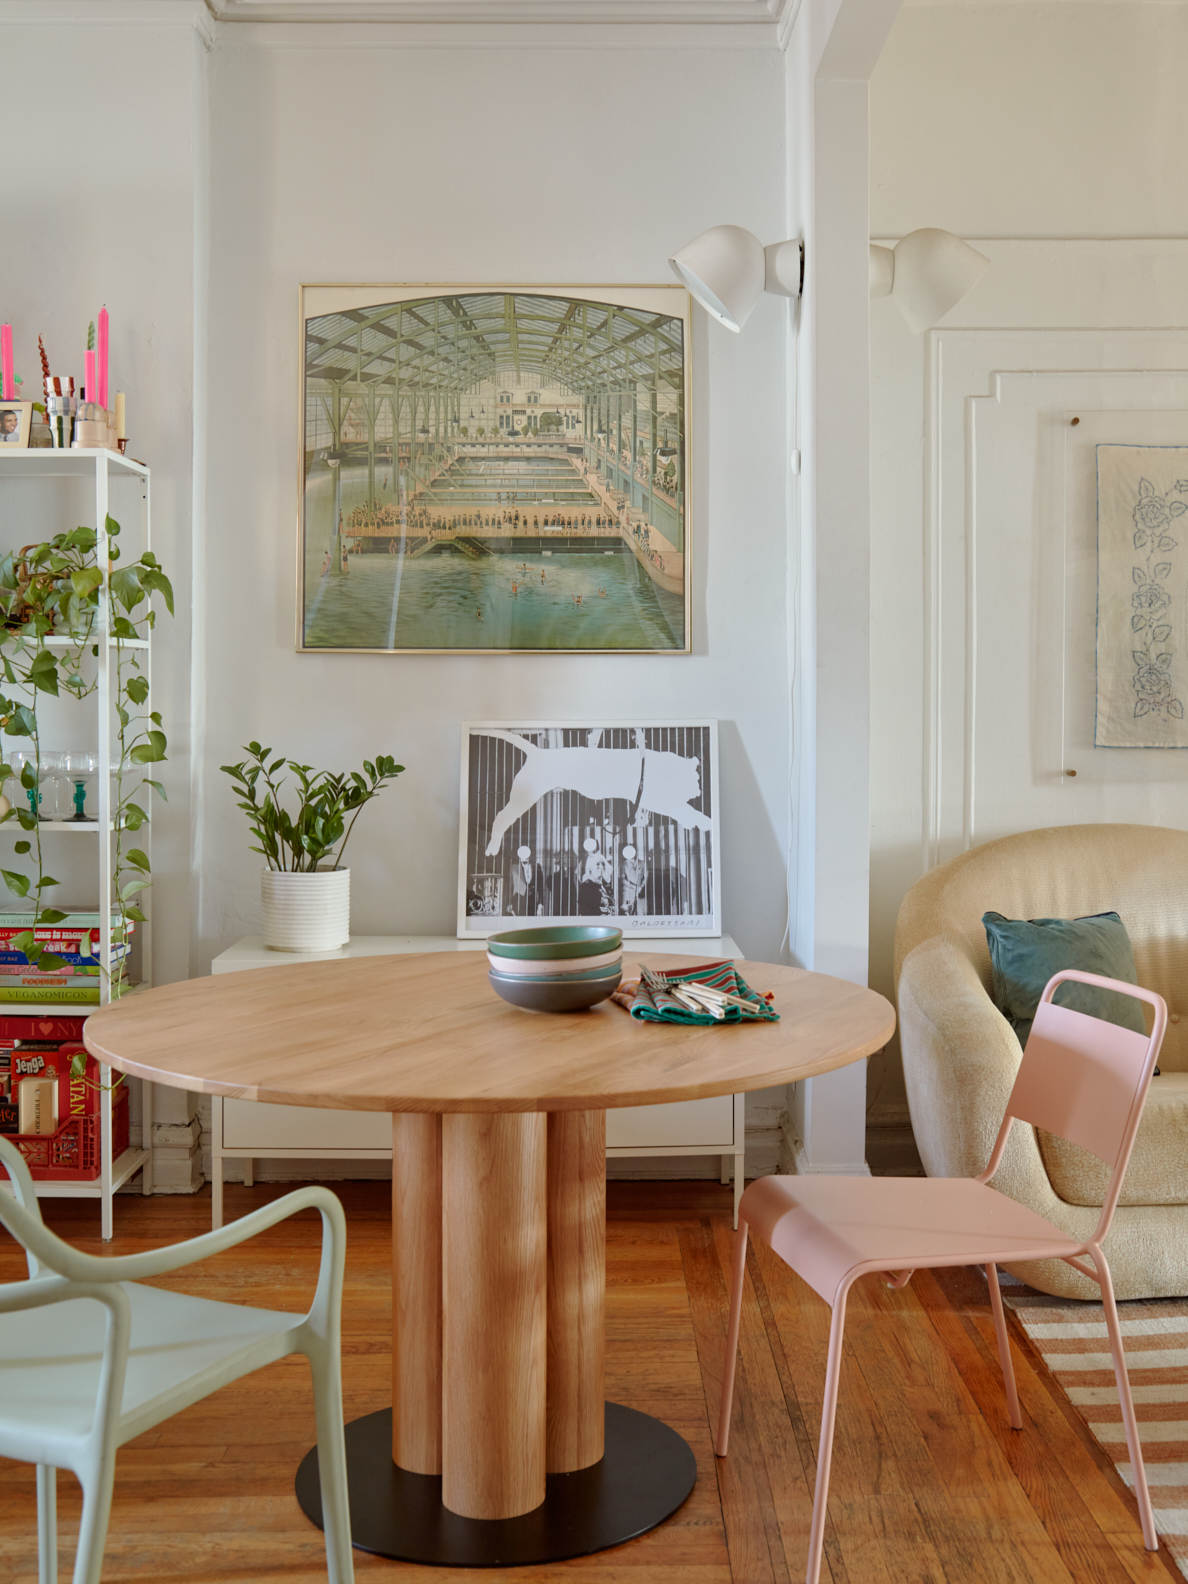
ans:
(7, 383)
(89, 381)
(102, 370)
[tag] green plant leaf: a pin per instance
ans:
(131, 887)
(137, 689)
(133, 912)
(138, 859)
(157, 788)
(152, 577)
(86, 579)
(134, 816)
(17, 883)
(23, 847)
(151, 751)
(50, 915)
(126, 588)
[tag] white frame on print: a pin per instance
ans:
(667, 812)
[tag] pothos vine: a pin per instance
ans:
(55, 591)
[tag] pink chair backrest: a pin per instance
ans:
(1085, 1079)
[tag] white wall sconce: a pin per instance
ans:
(925, 274)
(728, 269)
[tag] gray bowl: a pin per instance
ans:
(550, 995)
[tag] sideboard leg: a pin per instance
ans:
(577, 1290)
(493, 1313)
(416, 1292)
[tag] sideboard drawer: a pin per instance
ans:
(697, 1123)
(250, 1124)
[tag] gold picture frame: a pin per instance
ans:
(493, 469)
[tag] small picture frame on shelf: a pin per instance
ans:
(16, 419)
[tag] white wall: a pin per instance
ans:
(76, 234)
(975, 127)
(365, 161)
(347, 153)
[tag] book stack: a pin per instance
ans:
(75, 940)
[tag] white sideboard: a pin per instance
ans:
(249, 1130)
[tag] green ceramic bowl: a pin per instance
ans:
(570, 995)
(559, 941)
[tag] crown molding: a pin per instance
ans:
(730, 24)
(190, 14)
(569, 13)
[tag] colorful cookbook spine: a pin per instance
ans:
(52, 993)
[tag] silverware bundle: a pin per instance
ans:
(694, 997)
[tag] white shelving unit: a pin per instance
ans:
(247, 1130)
(102, 468)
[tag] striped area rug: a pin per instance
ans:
(1073, 1342)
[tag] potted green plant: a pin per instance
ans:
(53, 591)
(305, 888)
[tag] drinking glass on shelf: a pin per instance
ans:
(78, 767)
(17, 759)
(51, 773)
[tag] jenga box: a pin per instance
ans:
(43, 1047)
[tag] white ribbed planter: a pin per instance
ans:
(306, 911)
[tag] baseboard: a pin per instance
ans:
(794, 1161)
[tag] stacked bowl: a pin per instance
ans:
(561, 969)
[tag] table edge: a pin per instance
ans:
(478, 1105)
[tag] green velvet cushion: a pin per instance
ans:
(1025, 953)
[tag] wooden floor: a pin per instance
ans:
(929, 1482)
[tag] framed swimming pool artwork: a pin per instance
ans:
(494, 469)
(582, 822)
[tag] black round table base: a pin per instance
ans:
(647, 1472)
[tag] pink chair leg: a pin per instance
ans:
(825, 1448)
(736, 1292)
(1138, 1472)
(1004, 1348)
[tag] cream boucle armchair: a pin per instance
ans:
(960, 1054)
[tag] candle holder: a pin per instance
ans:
(59, 413)
(123, 445)
(90, 427)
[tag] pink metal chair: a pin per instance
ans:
(1081, 1078)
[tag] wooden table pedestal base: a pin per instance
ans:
(647, 1473)
(500, 1449)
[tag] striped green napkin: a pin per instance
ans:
(654, 1006)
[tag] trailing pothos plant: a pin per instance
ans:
(55, 590)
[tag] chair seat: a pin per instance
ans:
(828, 1227)
(181, 1349)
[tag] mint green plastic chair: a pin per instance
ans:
(89, 1359)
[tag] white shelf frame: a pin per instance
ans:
(102, 465)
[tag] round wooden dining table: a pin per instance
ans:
(499, 1449)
